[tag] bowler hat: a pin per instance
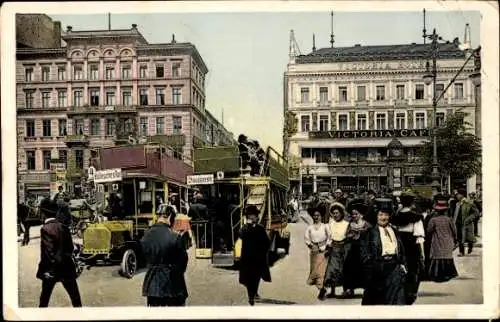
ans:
(384, 205)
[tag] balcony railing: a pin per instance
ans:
(76, 138)
(101, 109)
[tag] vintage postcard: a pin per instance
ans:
(250, 159)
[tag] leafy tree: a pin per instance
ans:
(290, 124)
(458, 149)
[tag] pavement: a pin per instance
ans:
(210, 286)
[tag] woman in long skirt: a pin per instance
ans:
(317, 237)
(353, 272)
(336, 251)
(443, 236)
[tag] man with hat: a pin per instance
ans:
(410, 225)
(383, 260)
(199, 212)
(338, 196)
(464, 215)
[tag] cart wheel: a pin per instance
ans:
(128, 265)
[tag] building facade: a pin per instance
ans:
(104, 86)
(37, 31)
(351, 102)
(215, 132)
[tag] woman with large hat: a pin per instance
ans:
(353, 273)
(442, 234)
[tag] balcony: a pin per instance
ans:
(401, 102)
(86, 109)
(321, 103)
(342, 103)
(76, 139)
(381, 103)
(362, 103)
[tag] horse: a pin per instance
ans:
(28, 217)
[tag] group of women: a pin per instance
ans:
(386, 258)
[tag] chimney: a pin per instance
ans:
(173, 39)
(134, 26)
(57, 33)
(69, 29)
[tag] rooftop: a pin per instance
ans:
(83, 34)
(450, 50)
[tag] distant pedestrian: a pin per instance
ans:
(464, 215)
(382, 255)
(166, 258)
(57, 262)
(254, 264)
(336, 251)
(317, 238)
(63, 214)
(441, 232)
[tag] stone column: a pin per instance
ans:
(315, 183)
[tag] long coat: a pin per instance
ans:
(442, 234)
(56, 251)
(382, 287)
(254, 250)
(465, 221)
(198, 211)
(166, 259)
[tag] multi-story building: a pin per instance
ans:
(104, 86)
(350, 102)
(215, 132)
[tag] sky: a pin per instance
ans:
(247, 53)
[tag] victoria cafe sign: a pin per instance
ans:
(368, 134)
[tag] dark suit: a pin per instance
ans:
(56, 262)
(198, 213)
(166, 259)
(384, 276)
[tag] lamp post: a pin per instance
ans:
(430, 78)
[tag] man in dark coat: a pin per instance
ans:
(371, 210)
(166, 258)
(198, 212)
(63, 214)
(56, 262)
(254, 254)
(464, 215)
(383, 260)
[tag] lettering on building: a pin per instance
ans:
(109, 175)
(408, 64)
(368, 134)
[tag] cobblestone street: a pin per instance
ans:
(102, 286)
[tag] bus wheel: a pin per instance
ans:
(128, 265)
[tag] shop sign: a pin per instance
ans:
(200, 179)
(368, 134)
(108, 175)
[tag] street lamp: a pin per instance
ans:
(430, 78)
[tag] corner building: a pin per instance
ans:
(100, 87)
(351, 102)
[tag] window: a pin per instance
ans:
(323, 94)
(343, 93)
(61, 73)
(45, 73)
(439, 90)
(159, 71)
(127, 98)
(78, 159)
(305, 123)
(304, 95)
(381, 120)
(419, 92)
(95, 127)
(400, 121)
(160, 125)
(144, 126)
(380, 89)
(110, 98)
(63, 156)
(400, 92)
(46, 159)
(28, 74)
(77, 72)
(30, 160)
(160, 96)
(176, 69)
(61, 99)
(110, 127)
(78, 126)
(361, 122)
(78, 97)
(143, 96)
(62, 127)
(45, 99)
(176, 95)
(30, 99)
(419, 120)
(323, 123)
(343, 122)
(361, 93)
(126, 72)
(94, 72)
(94, 97)
(177, 122)
(143, 71)
(459, 91)
(439, 119)
(110, 72)
(30, 128)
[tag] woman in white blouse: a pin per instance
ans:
(317, 237)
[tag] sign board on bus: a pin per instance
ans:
(108, 175)
(200, 179)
